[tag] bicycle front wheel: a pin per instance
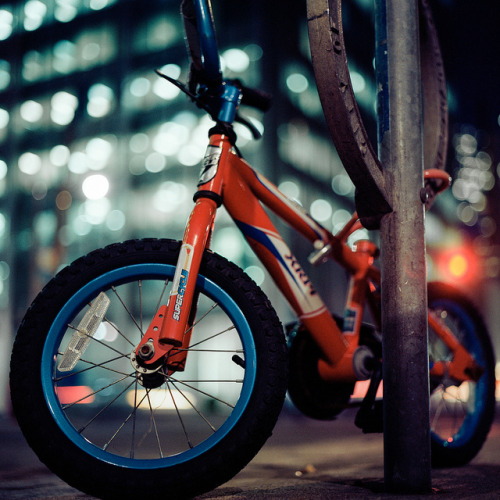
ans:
(461, 413)
(108, 428)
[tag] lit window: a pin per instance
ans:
(34, 13)
(91, 51)
(297, 83)
(358, 82)
(3, 225)
(33, 66)
(101, 99)
(290, 189)
(139, 87)
(77, 163)
(321, 210)
(4, 75)
(190, 155)
(139, 143)
(99, 4)
(156, 34)
(97, 46)
(3, 170)
(95, 186)
(170, 196)
(66, 10)
(31, 111)
(115, 220)
(4, 118)
(236, 60)
(342, 185)
(6, 23)
(30, 163)
(96, 210)
(155, 162)
(64, 60)
(59, 155)
(98, 153)
(63, 109)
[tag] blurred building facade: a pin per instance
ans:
(95, 148)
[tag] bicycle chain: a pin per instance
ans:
(342, 113)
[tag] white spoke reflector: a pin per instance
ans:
(84, 333)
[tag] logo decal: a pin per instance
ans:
(210, 164)
(180, 295)
(180, 279)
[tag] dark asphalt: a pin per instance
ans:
(304, 459)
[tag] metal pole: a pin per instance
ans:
(404, 296)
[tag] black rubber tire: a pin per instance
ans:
(461, 415)
(62, 452)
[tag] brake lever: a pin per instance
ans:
(183, 88)
(200, 102)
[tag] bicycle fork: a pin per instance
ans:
(169, 334)
(170, 331)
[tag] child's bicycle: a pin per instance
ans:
(156, 368)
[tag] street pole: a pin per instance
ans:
(404, 295)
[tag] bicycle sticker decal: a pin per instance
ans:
(180, 279)
(299, 283)
(210, 164)
(351, 316)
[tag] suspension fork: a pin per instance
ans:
(170, 331)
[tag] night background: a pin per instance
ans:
(80, 104)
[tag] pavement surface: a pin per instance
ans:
(304, 459)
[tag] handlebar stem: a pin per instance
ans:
(231, 98)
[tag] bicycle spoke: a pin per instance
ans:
(122, 425)
(201, 318)
(215, 398)
(180, 417)
(65, 407)
(139, 284)
(119, 331)
(153, 423)
(165, 284)
(72, 327)
(94, 365)
(81, 429)
(232, 327)
(131, 316)
(194, 408)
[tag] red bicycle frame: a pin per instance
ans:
(227, 179)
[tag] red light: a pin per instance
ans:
(458, 265)
(80, 394)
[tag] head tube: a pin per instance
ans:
(208, 43)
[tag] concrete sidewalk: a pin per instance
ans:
(304, 459)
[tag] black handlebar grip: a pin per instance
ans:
(256, 98)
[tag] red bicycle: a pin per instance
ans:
(158, 368)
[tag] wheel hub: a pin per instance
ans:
(150, 378)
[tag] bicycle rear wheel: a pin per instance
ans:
(461, 413)
(111, 430)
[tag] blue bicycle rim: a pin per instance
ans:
(472, 420)
(91, 290)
